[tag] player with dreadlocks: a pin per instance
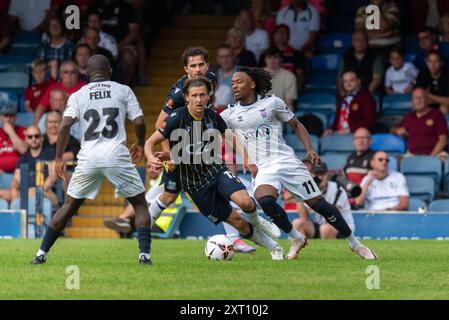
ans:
(257, 120)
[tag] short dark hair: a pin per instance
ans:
(283, 26)
(434, 52)
(197, 82)
(193, 52)
(398, 49)
(355, 71)
(81, 45)
(272, 51)
(427, 30)
(224, 46)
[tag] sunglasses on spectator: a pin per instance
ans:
(383, 159)
(35, 136)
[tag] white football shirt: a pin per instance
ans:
(259, 127)
(399, 79)
(384, 194)
(101, 109)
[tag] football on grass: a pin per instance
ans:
(219, 248)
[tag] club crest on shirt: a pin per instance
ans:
(209, 125)
(240, 118)
(429, 122)
(263, 112)
(355, 107)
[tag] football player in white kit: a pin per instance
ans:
(257, 120)
(101, 107)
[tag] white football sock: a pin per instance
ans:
(263, 240)
(146, 255)
(296, 235)
(353, 242)
(156, 208)
(41, 253)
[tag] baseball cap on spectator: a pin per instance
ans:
(319, 169)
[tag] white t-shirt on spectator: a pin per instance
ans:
(342, 204)
(399, 79)
(384, 194)
(108, 42)
(301, 25)
(284, 85)
(257, 42)
(30, 13)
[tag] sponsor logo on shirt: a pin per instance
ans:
(429, 122)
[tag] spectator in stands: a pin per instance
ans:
(290, 202)
(256, 40)
(223, 93)
(400, 77)
(427, 42)
(119, 18)
(262, 14)
(390, 26)
(30, 15)
(435, 79)
(12, 144)
(5, 35)
(106, 40)
(69, 83)
(34, 93)
(92, 39)
(444, 29)
(284, 81)
(81, 54)
(58, 102)
(52, 123)
(356, 109)
(358, 163)
(359, 57)
(303, 20)
(242, 57)
(292, 60)
(55, 46)
(426, 13)
(313, 225)
(383, 190)
(36, 153)
(425, 128)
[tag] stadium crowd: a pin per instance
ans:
(391, 82)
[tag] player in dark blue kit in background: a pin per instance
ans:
(195, 61)
(207, 181)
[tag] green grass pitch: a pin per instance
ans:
(326, 270)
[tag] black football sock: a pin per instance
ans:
(332, 216)
(275, 212)
(50, 237)
(144, 237)
(250, 234)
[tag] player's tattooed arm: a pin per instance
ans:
(61, 144)
(303, 136)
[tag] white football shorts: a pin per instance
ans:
(86, 182)
(288, 173)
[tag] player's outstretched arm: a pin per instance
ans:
(61, 144)
(152, 141)
(303, 136)
(136, 149)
